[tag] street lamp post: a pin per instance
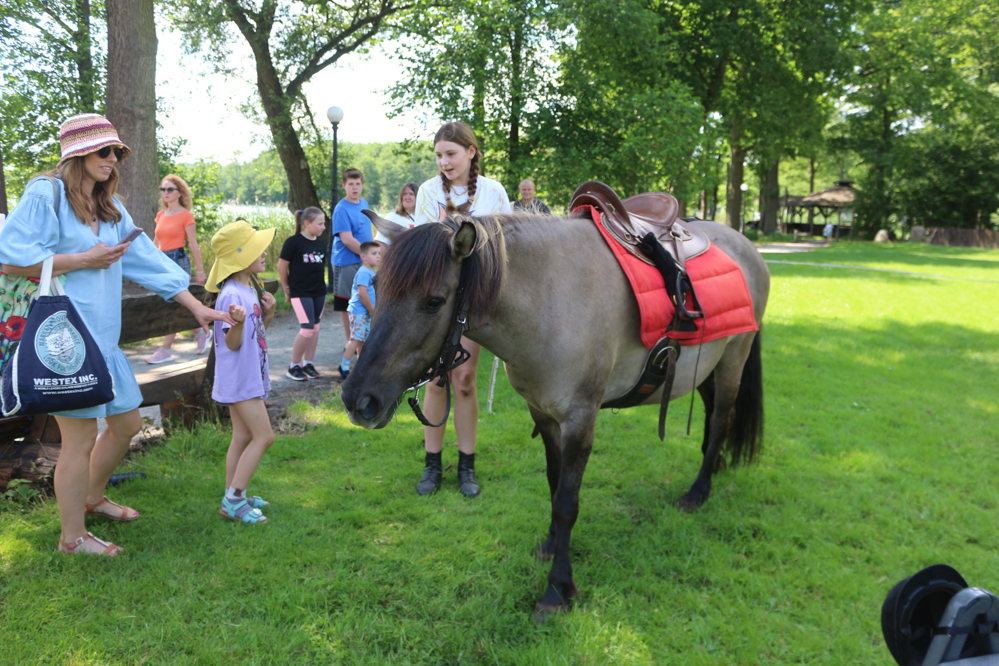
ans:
(742, 222)
(335, 115)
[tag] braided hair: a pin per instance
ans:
(461, 134)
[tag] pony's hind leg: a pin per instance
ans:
(719, 393)
(551, 436)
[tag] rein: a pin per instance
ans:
(451, 355)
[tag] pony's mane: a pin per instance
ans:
(419, 259)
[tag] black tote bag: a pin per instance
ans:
(57, 366)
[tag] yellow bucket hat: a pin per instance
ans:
(236, 246)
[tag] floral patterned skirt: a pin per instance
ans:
(16, 294)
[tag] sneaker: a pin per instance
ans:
(296, 374)
(203, 339)
(160, 356)
(343, 374)
(310, 371)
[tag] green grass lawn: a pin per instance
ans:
(880, 459)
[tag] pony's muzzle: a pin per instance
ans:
(365, 410)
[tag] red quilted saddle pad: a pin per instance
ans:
(718, 281)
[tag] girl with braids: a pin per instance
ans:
(458, 189)
(300, 269)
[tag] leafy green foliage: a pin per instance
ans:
(291, 42)
(19, 495)
(922, 93)
(52, 65)
(487, 63)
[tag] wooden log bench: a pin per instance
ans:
(29, 446)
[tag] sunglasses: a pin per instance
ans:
(167, 190)
(106, 150)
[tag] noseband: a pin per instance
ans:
(452, 354)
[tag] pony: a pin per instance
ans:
(547, 296)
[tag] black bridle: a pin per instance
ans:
(452, 354)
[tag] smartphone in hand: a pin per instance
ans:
(130, 236)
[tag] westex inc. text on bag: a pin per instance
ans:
(57, 366)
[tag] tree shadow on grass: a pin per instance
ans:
(923, 257)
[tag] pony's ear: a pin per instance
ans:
(463, 241)
(388, 229)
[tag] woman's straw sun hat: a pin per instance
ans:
(236, 246)
(86, 133)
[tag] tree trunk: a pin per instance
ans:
(736, 175)
(277, 108)
(84, 59)
(131, 103)
(770, 200)
(516, 107)
(3, 188)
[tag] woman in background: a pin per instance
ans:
(405, 211)
(175, 228)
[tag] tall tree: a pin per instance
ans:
(291, 42)
(612, 114)
(52, 66)
(760, 65)
(920, 66)
(487, 63)
(131, 102)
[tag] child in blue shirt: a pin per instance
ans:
(362, 303)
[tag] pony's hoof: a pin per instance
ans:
(542, 612)
(554, 601)
(689, 504)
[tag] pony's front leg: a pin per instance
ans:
(551, 435)
(577, 442)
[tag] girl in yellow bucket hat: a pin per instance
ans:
(241, 372)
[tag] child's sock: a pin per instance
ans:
(295, 365)
(345, 365)
(235, 494)
(306, 361)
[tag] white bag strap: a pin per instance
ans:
(46, 283)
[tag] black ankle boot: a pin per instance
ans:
(467, 482)
(432, 473)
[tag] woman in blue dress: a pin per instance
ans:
(83, 236)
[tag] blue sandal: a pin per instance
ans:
(242, 511)
(257, 502)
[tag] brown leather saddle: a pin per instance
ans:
(630, 220)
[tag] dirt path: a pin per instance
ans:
(280, 336)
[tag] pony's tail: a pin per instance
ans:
(745, 437)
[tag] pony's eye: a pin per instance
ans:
(434, 303)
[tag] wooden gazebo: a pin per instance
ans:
(837, 199)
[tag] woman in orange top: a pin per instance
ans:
(175, 228)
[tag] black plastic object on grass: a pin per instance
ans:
(118, 479)
(933, 618)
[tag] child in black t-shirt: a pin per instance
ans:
(300, 269)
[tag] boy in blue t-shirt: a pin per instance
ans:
(362, 303)
(350, 229)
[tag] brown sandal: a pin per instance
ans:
(125, 515)
(110, 549)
